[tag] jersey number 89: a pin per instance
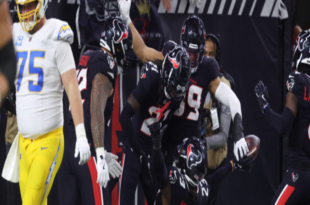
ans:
(193, 100)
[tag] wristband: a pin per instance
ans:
(80, 131)
(266, 106)
(128, 21)
(100, 152)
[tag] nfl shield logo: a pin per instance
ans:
(19, 41)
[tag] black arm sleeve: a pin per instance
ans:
(8, 62)
(10, 101)
(125, 120)
(214, 180)
(160, 169)
(282, 123)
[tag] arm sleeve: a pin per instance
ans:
(220, 139)
(282, 123)
(160, 169)
(143, 89)
(64, 57)
(226, 96)
(125, 120)
(215, 179)
(8, 62)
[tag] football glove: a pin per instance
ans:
(240, 146)
(145, 168)
(244, 164)
(157, 133)
(124, 8)
(261, 92)
(102, 168)
(115, 168)
(81, 146)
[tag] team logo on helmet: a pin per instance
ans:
(192, 158)
(120, 32)
(173, 58)
(183, 29)
(290, 84)
(303, 40)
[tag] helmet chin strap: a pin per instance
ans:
(190, 181)
(193, 70)
(166, 94)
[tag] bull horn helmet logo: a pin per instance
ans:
(192, 158)
(120, 32)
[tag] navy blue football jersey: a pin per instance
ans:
(148, 96)
(180, 191)
(186, 120)
(92, 63)
(299, 137)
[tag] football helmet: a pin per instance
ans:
(302, 42)
(175, 74)
(116, 37)
(192, 160)
(193, 39)
(304, 59)
(36, 14)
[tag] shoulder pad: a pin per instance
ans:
(104, 63)
(62, 31)
(147, 68)
(291, 80)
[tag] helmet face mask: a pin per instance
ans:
(192, 160)
(31, 18)
(193, 38)
(194, 58)
(116, 38)
(175, 74)
(302, 43)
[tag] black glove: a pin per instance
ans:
(244, 164)
(157, 133)
(10, 101)
(261, 92)
(145, 168)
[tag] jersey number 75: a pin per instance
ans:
(33, 70)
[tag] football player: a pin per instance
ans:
(204, 78)
(7, 53)
(185, 181)
(45, 65)
(97, 72)
(158, 92)
(294, 120)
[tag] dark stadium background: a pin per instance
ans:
(256, 45)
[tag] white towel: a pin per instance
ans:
(10, 170)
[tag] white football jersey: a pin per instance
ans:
(38, 82)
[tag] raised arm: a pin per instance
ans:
(159, 162)
(143, 53)
(7, 53)
(282, 123)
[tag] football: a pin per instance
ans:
(253, 143)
